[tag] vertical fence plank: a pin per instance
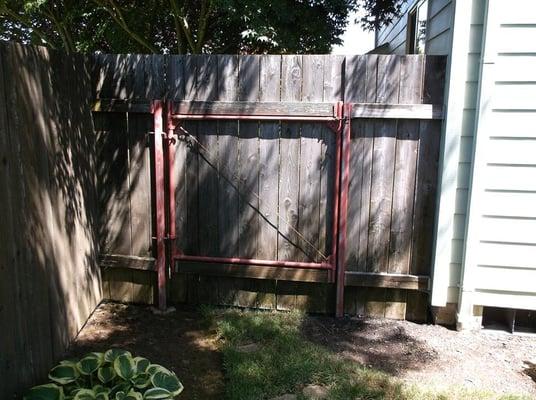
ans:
(355, 91)
(403, 193)
(310, 162)
(155, 67)
(270, 75)
(425, 194)
(333, 91)
(139, 185)
(248, 153)
(192, 162)
(383, 167)
(291, 81)
(207, 84)
(228, 160)
(175, 80)
(176, 86)
(405, 167)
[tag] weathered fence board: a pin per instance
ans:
(49, 276)
(265, 189)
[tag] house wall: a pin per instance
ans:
(438, 34)
(499, 263)
(459, 125)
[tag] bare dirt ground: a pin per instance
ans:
(428, 355)
(178, 341)
(433, 355)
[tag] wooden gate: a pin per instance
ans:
(253, 167)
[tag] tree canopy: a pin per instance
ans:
(188, 26)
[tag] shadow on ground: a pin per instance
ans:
(178, 341)
(385, 347)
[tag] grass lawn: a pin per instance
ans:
(265, 356)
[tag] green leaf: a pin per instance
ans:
(106, 374)
(85, 394)
(120, 396)
(45, 392)
(157, 394)
(98, 389)
(102, 396)
(141, 381)
(141, 364)
(125, 367)
(120, 387)
(89, 364)
(154, 368)
(133, 395)
(71, 362)
(112, 354)
(167, 381)
(63, 374)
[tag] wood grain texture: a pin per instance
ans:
(48, 263)
(206, 90)
(290, 165)
(248, 153)
(270, 75)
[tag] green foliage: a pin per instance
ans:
(185, 26)
(113, 375)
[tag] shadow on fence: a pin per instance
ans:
(49, 280)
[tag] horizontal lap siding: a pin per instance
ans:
(503, 261)
(438, 29)
(466, 146)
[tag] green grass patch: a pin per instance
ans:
(285, 362)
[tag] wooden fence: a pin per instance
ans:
(264, 189)
(49, 275)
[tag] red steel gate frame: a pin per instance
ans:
(164, 156)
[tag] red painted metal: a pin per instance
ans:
(343, 218)
(160, 202)
(253, 117)
(337, 126)
(335, 212)
(170, 161)
(252, 261)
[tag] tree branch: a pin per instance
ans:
(176, 21)
(117, 16)
(64, 34)
(27, 23)
(202, 25)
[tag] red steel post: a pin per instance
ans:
(345, 183)
(170, 151)
(336, 191)
(160, 203)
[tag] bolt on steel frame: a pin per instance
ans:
(339, 123)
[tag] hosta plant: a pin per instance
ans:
(113, 375)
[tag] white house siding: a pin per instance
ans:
(500, 256)
(465, 152)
